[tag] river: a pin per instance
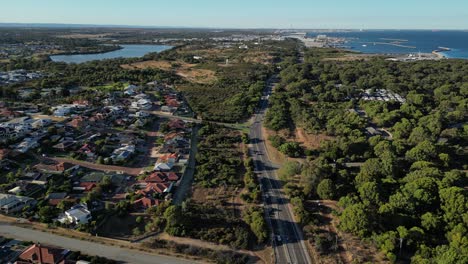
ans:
(127, 51)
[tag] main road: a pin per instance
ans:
(287, 239)
(121, 254)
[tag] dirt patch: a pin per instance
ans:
(185, 70)
(310, 141)
(274, 155)
(351, 248)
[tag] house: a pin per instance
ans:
(372, 131)
(4, 153)
(40, 254)
(64, 145)
(7, 134)
(57, 168)
(161, 177)
(145, 203)
(85, 186)
(78, 214)
(55, 198)
(26, 145)
(152, 188)
(165, 166)
(123, 153)
(130, 90)
(63, 110)
(88, 149)
(40, 123)
(26, 188)
(168, 109)
(13, 203)
(78, 122)
(142, 104)
(176, 124)
(81, 102)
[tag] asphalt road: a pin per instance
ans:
(122, 255)
(287, 239)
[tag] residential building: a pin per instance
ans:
(78, 214)
(13, 203)
(40, 254)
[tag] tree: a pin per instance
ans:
(291, 149)
(371, 170)
(370, 194)
(312, 173)
(454, 203)
(289, 169)
(47, 214)
(326, 189)
(175, 221)
(355, 219)
(424, 151)
(254, 218)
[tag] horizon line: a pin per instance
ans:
(76, 25)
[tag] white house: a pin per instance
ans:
(78, 214)
(142, 104)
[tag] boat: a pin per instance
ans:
(364, 45)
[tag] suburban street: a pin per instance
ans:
(287, 238)
(123, 255)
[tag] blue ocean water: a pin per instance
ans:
(127, 51)
(411, 41)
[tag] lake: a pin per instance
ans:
(410, 41)
(127, 51)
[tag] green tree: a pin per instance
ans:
(354, 219)
(175, 221)
(370, 194)
(454, 203)
(47, 214)
(326, 189)
(424, 151)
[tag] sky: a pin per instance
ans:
(310, 14)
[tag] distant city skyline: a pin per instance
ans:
(308, 14)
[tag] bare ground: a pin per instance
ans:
(185, 70)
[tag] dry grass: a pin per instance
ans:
(185, 70)
(352, 249)
(274, 155)
(310, 141)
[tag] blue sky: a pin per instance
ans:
(398, 14)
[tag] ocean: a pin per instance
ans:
(408, 41)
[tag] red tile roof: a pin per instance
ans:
(146, 202)
(43, 254)
(88, 186)
(161, 177)
(152, 188)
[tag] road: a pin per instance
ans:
(287, 239)
(187, 179)
(124, 255)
